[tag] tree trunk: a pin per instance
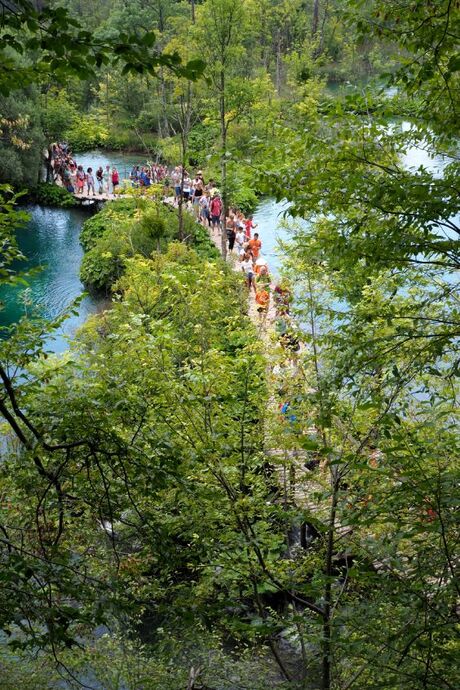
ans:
(180, 209)
(327, 615)
(278, 65)
(315, 22)
(107, 115)
(192, 3)
(223, 129)
(164, 104)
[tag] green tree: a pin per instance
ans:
(225, 21)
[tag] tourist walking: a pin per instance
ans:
(100, 180)
(198, 191)
(115, 179)
(240, 241)
(176, 178)
(248, 226)
(90, 181)
(186, 187)
(80, 179)
(204, 209)
(230, 227)
(215, 210)
(248, 269)
(108, 179)
(255, 246)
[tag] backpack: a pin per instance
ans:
(216, 207)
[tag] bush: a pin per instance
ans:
(121, 230)
(202, 243)
(51, 195)
(198, 142)
(86, 134)
(59, 114)
(103, 265)
(128, 140)
(95, 227)
(171, 149)
(90, 133)
(128, 227)
(245, 199)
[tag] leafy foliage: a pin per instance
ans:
(27, 30)
(125, 228)
(51, 195)
(163, 476)
(10, 220)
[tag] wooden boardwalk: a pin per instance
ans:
(107, 196)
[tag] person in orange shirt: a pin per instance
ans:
(254, 246)
(263, 302)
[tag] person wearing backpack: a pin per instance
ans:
(215, 209)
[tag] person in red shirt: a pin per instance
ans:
(115, 179)
(254, 246)
(248, 226)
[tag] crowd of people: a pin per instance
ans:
(77, 180)
(94, 181)
(202, 199)
(146, 175)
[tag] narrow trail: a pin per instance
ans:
(265, 325)
(299, 484)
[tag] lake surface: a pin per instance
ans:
(51, 241)
(269, 217)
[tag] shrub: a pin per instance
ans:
(103, 265)
(198, 143)
(128, 140)
(244, 198)
(51, 195)
(96, 226)
(203, 244)
(86, 134)
(59, 114)
(128, 227)
(121, 230)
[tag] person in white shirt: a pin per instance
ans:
(248, 269)
(186, 190)
(239, 242)
(176, 177)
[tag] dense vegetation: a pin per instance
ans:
(162, 524)
(128, 228)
